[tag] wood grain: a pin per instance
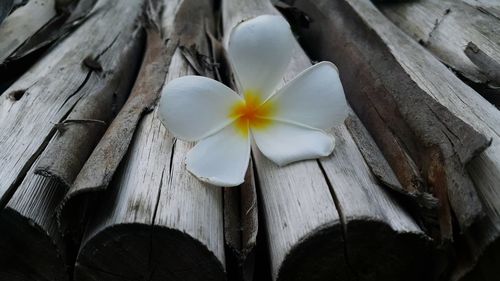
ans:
(305, 220)
(40, 98)
(28, 231)
(445, 27)
(157, 221)
(428, 75)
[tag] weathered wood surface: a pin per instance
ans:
(357, 26)
(31, 246)
(79, 133)
(486, 6)
(427, 146)
(241, 226)
(158, 222)
(23, 23)
(317, 213)
(445, 27)
(40, 98)
(99, 168)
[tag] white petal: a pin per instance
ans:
(284, 143)
(193, 107)
(314, 98)
(260, 50)
(221, 159)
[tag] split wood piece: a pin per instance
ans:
(306, 221)
(241, 227)
(157, 221)
(445, 27)
(31, 247)
(343, 20)
(425, 143)
(99, 168)
(80, 132)
(47, 93)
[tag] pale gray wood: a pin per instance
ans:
(157, 221)
(28, 231)
(486, 6)
(305, 226)
(445, 27)
(443, 86)
(50, 89)
(23, 23)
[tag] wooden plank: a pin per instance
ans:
(342, 20)
(445, 27)
(28, 231)
(305, 220)
(158, 222)
(40, 98)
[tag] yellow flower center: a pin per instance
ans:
(252, 113)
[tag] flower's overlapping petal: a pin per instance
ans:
(284, 143)
(260, 51)
(220, 159)
(194, 107)
(314, 98)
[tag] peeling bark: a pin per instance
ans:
(79, 134)
(317, 213)
(156, 221)
(445, 27)
(409, 136)
(51, 89)
(100, 167)
(369, 48)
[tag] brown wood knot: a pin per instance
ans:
(16, 95)
(92, 63)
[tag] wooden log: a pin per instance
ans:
(445, 27)
(427, 146)
(40, 98)
(31, 247)
(368, 45)
(158, 222)
(314, 227)
(99, 168)
(80, 132)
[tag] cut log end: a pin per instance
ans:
(28, 251)
(146, 253)
(369, 250)
(319, 256)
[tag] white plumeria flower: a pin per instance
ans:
(287, 125)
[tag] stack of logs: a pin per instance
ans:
(93, 187)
